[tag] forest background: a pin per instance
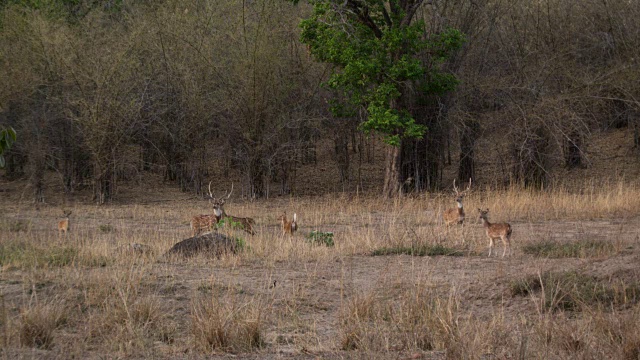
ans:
(103, 93)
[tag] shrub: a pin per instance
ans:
(555, 249)
(320, 238)
(572, 291)
(423, 250)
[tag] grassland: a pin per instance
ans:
(395, 284)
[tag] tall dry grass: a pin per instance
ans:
(96, 296)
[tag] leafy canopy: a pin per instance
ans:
(377, 51)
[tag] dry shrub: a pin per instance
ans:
(122, 314)
(227, 324)
(39, 322)
(572, 291)
(417, 319)
(613, 335)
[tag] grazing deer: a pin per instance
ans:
(218, 210)
(495, 231)
(455, 215)
(288, 226)
(63, 225)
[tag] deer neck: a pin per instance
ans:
(219, 212)
(460, 209)
(485, 222)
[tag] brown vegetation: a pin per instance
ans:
(560, 292)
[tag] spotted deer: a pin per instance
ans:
(453, 216)
(495, 231)
(288, 226)
(245, 223)
(207, 222)
(63, 225)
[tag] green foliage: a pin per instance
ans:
(105, 228)
(321, 238)
(424, 250)
(377, 54)
(581, 249)
(7, 138)
(241, 243)
(230, 223)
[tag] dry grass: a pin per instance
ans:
(89, 294)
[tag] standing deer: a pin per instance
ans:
(63, 225)
(455, 215)
(288, 226)
(244, 223)
(495, 231)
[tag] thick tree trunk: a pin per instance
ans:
(392, 172)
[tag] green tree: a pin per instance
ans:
(7, 138)
(383, 56)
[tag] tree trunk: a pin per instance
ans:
(467, 165)
(392, 172)
(342, 156)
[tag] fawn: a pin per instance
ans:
(63, 225)
(289, 226)
(495, 231)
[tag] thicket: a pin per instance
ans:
(100, 92)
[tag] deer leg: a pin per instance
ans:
(504, 245)
(490, 245)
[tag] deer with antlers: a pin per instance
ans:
(208, 222)
(496, 231)
(63, 225)
(455, 215)
(245, 223)
(289, 226)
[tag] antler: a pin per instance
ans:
(210, 193)
(455, 188)
(458, 193)
(230, 192)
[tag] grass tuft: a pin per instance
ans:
(424, 250)
(105, 228)
(20, 255)
(228, 326)
(572, 291)
(38, 324)
(577, 249)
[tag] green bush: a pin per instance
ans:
(320, 238)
